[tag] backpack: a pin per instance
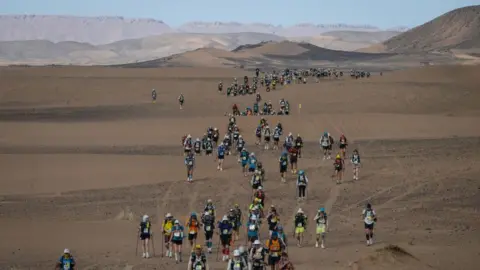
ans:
(299, 219)
(233, 264)
(302, 180)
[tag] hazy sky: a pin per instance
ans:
(382, 13)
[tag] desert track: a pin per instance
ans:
(81, 158)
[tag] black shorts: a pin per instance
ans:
(276, 139)
(273, 260)
(208, 152)
(189, 168)
(267, 139)
(192, 236)
(187, 150)
(325, 147)
(338, 169)
(255, 186)
(225, 239)
(259, 136)
(369, 226)
(283, 169)
(144, 236)
(251, 169)
(221, 157)
(252, 239)
(166, 238)
(293, 160)
(177, 242)
(343, 146)
(208, 235)
(198, 151)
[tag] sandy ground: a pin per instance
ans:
(84, 153)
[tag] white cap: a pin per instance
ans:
(145, 218)
(66, 251)
(300, 210)
(260, 188)
(168, 215)
(257, 242)
(177, 222)
(207, 213)
(236, 253)
(225, 218)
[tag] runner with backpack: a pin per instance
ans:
(322, 226)
(302, 182)
(369, 218)
(275, 246)
(356, 163)
(300, 224)
(339, 167)
(198, 259)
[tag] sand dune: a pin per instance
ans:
(457, 29)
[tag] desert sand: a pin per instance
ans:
(84, 154)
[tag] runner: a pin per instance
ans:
(257, 256)
(237, 262)
(325, 143)
(232, 218)
(220, 86)
(258, 135)
(197, 146)
(277, 132)
(260, 194)
(240, 144)
(66, 261)
(356, 163)
(267, 132)
(244, 255)
(145, 232)
(322, 226)
(209, 226)
(193, 225)
(209, 207)
(236, 135)
(252, 163)
(208, 147)
(216, 136)
(187, 145)
(167, 232)
(244, 156)
(154, 96)
(225, 232)
(283, 166)
(285, 263)
(273, 220)
(339, 166)
(370, 218)
(190, 164)
(299, 145)
(302, 183)
(181, 100)
(238, 221)
(300, 226)
(220, 156)
(198, 260)
(256, 208)
(176, 239)
(293, 159)
(252, 230)
(343, 143)
(261, 170)
(275, 247)
(256, 181)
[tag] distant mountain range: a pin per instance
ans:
(103, 30)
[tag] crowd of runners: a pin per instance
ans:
(257, 251)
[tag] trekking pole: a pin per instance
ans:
(162, 242)
(136, 247)
(153, 244)
(218, 247)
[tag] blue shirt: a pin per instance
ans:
(66, 263)
(252, 229)
(225, 228)
(221, 151)
(252, 161)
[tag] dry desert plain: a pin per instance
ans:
(84, 153)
